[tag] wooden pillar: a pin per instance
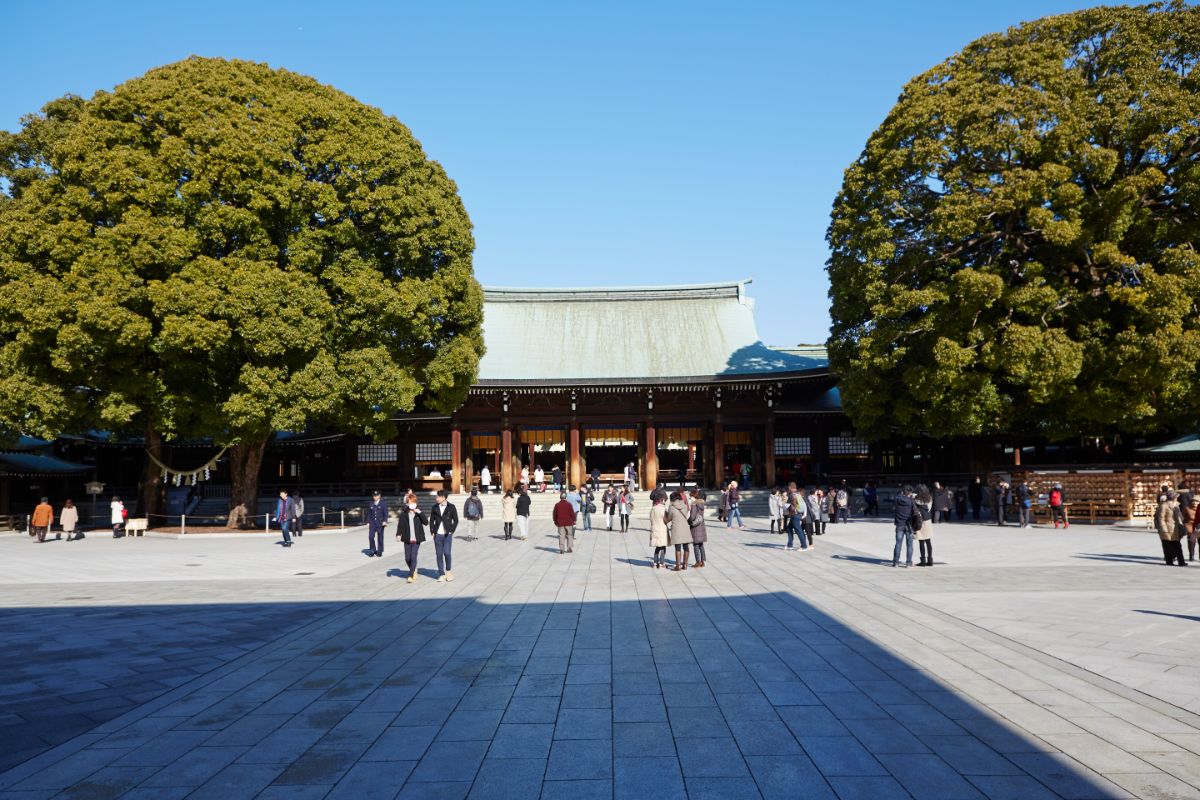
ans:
(575, 473)
(455, 460)
(718, 454)
(507, 479)
(1016, 454)
(468, 462)
(768, 472)
(651, 481)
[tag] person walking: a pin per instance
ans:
(525, 475)
(539, 479)
(841, 503)
(679, 531)
(377, 517)
(443, 522)
(473, 511)
(116, 516)
(699, 531)
(42, 519)
(595, 479)
(508, 512)
(485, 479)
(817, 518)
(999, 494)
(609, 500)
(871, 498)
(298, 520)
(1168, 519)
(410, 529)
(658, 532)
(285, 510)
(68, 519)
(941, 503)
(631, 476)
(1194, 515)
(734, 498)
(1024, 500)
(774, 509)
(903, 509)
(746, 469)
(576, 501)
(587, 506)
(558, 480)
(523, 503)
(564, 519)
(1058, 506)
(975, 495)
(625, 507)
(800, 526)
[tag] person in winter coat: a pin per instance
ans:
(941, 503)
(1168, 520)
(924, 504)
(625, 507)
(679, 532)
(377, 517)
(902, 513)
(609, 499)
(1058, 506)
(557, 475)
(797, 500)
(1024, 498)
(841, 503)
(723, 505)
(68, 518)
(658, 533)
(473, 512)
(1001, 496)
(410, 529)
(775, 509)
(525, 475)
(298, 510)
(539, 479)
(443, 522)
(820, 521)
(508, 512)
(587, 505)
(1188, 511)
(564, 520)
(485, 479)
(42, 519)
(733, 498)
(699, 532)
(116, 511)
(523, 503)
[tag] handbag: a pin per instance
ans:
(591, 508)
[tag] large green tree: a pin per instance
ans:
(1015, 249)
(222, 249)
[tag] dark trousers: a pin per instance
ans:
(624, 522)
(298, 525)
(660, 555)
(1173, 553)
(441, 546)
(926, 546)
(975, 510)
(508, 530)
(1026, 515)
(410, 555)
(699, 548)
(941, 516)
(375, 538)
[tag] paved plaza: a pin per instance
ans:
(1027, 664)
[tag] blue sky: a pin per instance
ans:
(605, 143)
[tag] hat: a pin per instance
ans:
(375, 493)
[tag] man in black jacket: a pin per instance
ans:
(443, 522)
(377, 516)
(903, 507)
(523, 504)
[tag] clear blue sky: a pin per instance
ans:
(617, 142)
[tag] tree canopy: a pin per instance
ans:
(221, 249)
(1015, 249)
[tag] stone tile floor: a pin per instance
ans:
(1020, 667)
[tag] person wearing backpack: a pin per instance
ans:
(903, 511)
(473, 511)
(1058, 506)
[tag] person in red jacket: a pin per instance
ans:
(564, 520)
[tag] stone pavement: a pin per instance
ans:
(1030, 664)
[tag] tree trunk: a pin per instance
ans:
(151, 487)
(244, 463)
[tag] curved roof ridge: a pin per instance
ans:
(516, 294)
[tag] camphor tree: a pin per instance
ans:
(221, 249)
(1015, 249)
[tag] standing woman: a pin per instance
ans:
(658, 532)
(117, 516)
(679, 530)
(773, 509)
(734, 500)
(923, 505)
(609, 498)
(625, 507)
(523, 503)
(68, 518)
(587, 506)
(485, 479)
(525, 475)
(508, 512)
(824, 503)
(410, 529)
(696, 521)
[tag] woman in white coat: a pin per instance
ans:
(68, 518)
(117, 517)
(658, 532)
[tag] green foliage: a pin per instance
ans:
(222, 249)
(1015, 249)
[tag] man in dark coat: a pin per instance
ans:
(557, 473)
(377, 517)
(285, 509)
(903, 507)
(975, 495)
(443, 522)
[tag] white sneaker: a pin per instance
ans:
(441, 579)
(449, 575)
(788, 547)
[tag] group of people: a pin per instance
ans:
(677, 519)
(1176, 517)
(821, 506)
(42, 519)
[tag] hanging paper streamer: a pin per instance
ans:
(186, 476)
